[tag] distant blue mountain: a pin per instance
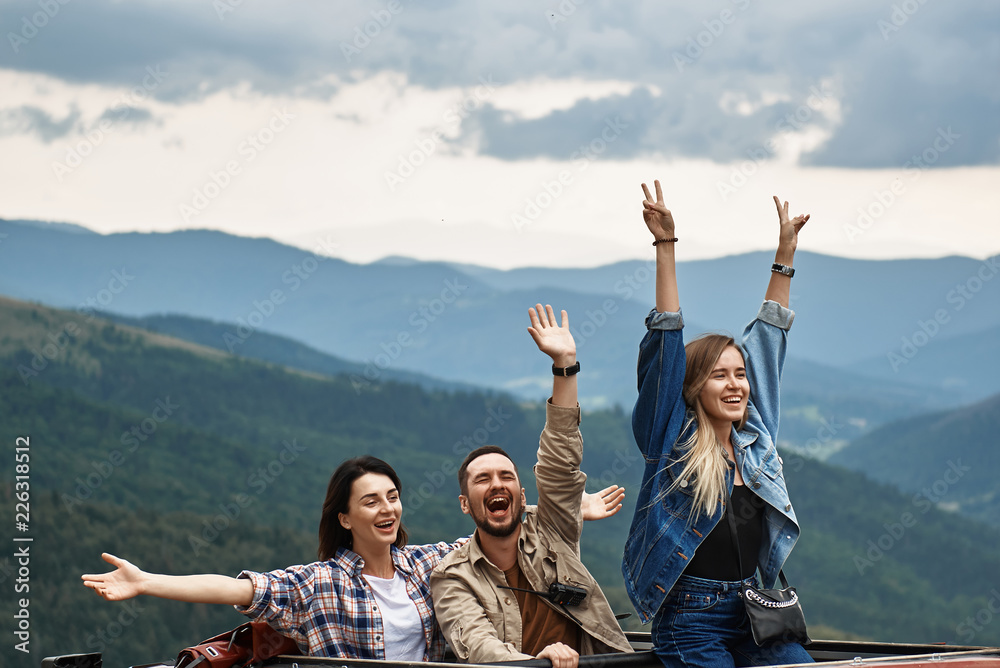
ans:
(948, 459)
(467, 324)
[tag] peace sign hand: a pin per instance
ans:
(788, 236)
(658, 218)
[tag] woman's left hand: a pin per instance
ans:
(788, 236)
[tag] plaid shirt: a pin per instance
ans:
(327, 607)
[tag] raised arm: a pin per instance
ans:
(659, 412)
(765, 339)
(557, 342)
(127, 581)
(660, 222)
(788, 238)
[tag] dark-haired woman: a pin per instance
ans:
(706, 421)
(369, 596)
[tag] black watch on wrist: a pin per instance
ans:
(567, 370)
(782, 269)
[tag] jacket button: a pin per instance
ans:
(788, 507)
(756, 485)
(506, 601)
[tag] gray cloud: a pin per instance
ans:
(937, 67)
(134, 116)
(32, 120)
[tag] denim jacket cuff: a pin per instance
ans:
(775, 314)
(666, 321)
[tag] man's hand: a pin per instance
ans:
(561, 656)
(122, 583)
(553, 339)
(602, 504)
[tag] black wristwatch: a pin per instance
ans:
(567, 370)
(782, 269)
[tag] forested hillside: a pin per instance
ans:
(183, 458)
(949, 458)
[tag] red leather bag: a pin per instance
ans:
(247, 644)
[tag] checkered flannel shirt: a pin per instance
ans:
(328, 609)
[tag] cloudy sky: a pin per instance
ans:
(512, 133)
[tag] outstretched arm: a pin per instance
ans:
(660, 222)
(557, 342)
(788, 239)
(127, 581)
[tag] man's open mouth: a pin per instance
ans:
(497, 505)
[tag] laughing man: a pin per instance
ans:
(483, 619)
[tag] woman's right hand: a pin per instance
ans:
(658, 218)
(122, 583)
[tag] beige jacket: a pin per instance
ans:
(482, 622)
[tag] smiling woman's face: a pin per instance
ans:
(373, 512)
(727, 390)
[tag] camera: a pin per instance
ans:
(566, 595)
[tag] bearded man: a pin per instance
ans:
(491, 596)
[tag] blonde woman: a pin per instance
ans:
(706, 421)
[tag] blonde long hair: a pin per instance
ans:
(702, 453)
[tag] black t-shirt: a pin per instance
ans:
(716, 556)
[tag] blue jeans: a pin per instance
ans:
(703, 623)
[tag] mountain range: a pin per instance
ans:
(924, 326)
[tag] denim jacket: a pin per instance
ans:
(662, 540)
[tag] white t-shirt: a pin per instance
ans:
(404, 632)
